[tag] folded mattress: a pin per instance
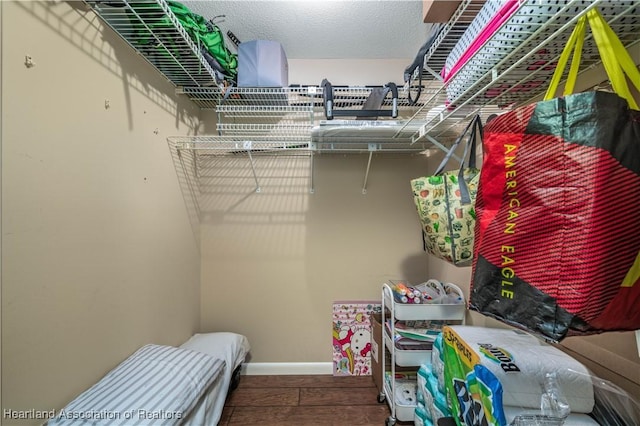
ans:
(156, 385)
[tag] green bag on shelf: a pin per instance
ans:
(446, 204)
(205, 34)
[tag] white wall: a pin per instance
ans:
(274, 262)
(98, 253)
(349, 72)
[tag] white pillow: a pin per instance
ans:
(230, 347)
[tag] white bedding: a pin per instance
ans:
(157, 385)
(163, 385)
(336, 130)
(230, 347)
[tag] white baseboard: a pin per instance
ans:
(286, 368)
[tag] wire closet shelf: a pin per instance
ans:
(152, 29)
(514, 66)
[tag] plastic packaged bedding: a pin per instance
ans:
(483, 398)
(435, 401)
(506, 377)
(520, 362)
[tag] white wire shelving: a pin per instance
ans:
(299, 112)
(435, 58)
(152, 29)
(511, 68)
(291, 121)
(222, 145)
(515, 65)
(254, 101)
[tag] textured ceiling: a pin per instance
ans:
(330, 29)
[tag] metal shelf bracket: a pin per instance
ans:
(372, 147)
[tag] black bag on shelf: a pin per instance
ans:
(418, 62)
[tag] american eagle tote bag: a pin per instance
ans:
(557, 237)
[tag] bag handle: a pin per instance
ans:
(575, 43)
(615, 58)
(475, 125)
(477, 130)
(449, 154)
(617, 61)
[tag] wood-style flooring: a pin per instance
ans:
(320, 400)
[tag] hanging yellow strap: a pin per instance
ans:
(633, 275)
(577, 35)
(624, 58)
(615, 58)
(572, 77)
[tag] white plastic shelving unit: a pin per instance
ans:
(394, 311)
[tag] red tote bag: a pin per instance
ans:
(557, 236)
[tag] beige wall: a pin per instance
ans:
(98, 253)
(273, 262)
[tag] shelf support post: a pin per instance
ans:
(195, 163)
(372, 147)
(433, 73)
(440, 146)
(311, 182)
(253, 170)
